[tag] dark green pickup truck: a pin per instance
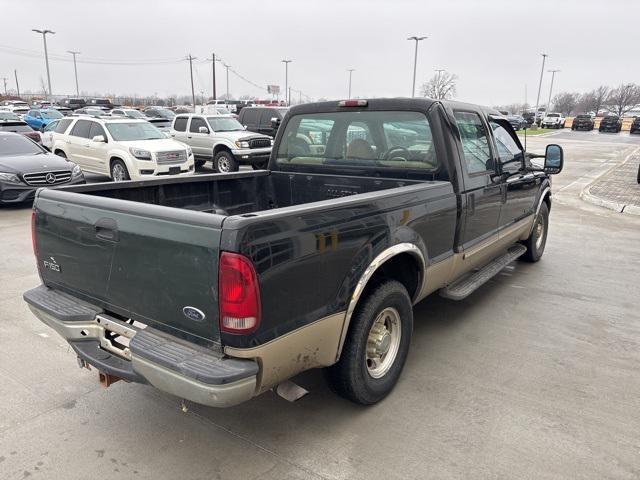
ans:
(217, 288)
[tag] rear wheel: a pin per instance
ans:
(225, 162)
(538, 239)
(119, 172)
(376, 346)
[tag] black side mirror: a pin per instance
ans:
(275, 122)
(553, 159)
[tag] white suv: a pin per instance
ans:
(123, 149)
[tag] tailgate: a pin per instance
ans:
(154, 264)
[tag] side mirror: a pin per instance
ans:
(553, 159)
(203, 130)
(275, 122)
(99, 139)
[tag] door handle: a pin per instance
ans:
(471, 206)
(188, 137)
(107, 229)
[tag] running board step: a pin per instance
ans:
(470, 283)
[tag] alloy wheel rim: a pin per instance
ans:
(118, 173)
(223, 164)
(383, 342)
(539, 233)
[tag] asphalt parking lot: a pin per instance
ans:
(533, 376)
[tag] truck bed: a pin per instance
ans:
(146, 250)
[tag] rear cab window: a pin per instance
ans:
(382, 143)
(180, 124)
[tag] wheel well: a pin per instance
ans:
(112, 159)
(220, 147)
(404, 267)
(59, 150)
(547, 200)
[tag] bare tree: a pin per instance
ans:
(441, 86)
(594, 100)
(566, 102)
(623, 98)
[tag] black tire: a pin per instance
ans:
(350, 377)
(225, 162)
(60, 153)
(199, 163)
(119, 171)
(538, 239)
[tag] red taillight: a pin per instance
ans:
(353, 103)
(238, 294)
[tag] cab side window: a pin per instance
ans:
(63, 125)
(251, 116)
(475, 142)
(196, 123)
(96, 129)
(507, 148)
(180, 125)
(81, 129)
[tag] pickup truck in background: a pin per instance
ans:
(216, 288)
(222, 140)
(553, 120)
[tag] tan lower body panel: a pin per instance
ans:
(441, 274)
(311, 346)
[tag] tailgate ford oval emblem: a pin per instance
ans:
(194, 314)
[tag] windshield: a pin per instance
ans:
(370, 140)
(134, 114)
(164, 112)
(222, 111)
(127, 132)
(584, 116)
(52, 114)
(553, 115)
(224, 124)
(8, 116)
(102, 102)
(17, 145)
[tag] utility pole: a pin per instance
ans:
(227, 67)
(193, 92)
(5, 85)
(213, 72)
(553, 74)
(544, 58)
(415, 63)
(350, 70)
(46, 56)
(286, 79)
(15, 72)
(75, 69)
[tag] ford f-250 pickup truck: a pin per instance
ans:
(216, 288)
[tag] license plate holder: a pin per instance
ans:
(174, 170)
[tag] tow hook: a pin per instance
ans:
(107, 379)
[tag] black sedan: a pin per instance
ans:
(635, 128)
(610, 123)
(582, 122)
(25, 166)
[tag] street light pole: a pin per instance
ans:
(553, 75)
(75, 69)
(286, 79)
(535, 115)
(415, 63)
(213, 72)
(350, 70)
(46, 56)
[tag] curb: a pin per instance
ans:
(587, 196)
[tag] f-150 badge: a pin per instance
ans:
(52, 265)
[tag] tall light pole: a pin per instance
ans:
(213, 73)
(350, 70)
(286, 78)
(227, 67)
(75, 69)
(46, 55)
(553, 75)
(415, 63)
(544, 58)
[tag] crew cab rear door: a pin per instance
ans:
(482, 186)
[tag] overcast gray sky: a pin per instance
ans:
(493, 46)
